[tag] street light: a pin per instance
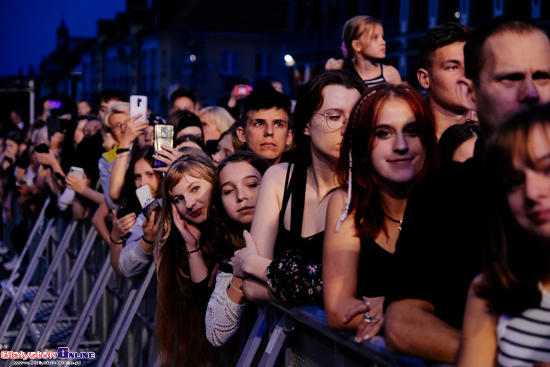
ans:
(289, 60)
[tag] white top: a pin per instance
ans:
(133, 260)
(222, 314)
(524, 340)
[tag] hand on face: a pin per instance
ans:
(190, 233)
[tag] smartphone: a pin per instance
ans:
(138, 105)
(144, 195)
(77, 171)
(153, 206)
(164, 136)
(54, 105)
(134, 202)
(242, 89)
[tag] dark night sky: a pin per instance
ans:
(27, 27)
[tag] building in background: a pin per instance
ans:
(158, 45)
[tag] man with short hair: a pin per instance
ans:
(106, 100)
(265, 124)
(184, 100)
(442, 64)
(438, 251)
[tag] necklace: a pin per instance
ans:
(394, 220)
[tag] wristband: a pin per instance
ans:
(122, 150)
(148, 242)
(117, 243)
(190, 252)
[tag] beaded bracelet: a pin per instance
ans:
(235, 288)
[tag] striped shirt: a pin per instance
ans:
(370, 82)
(524, 340)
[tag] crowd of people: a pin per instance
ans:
(422, 220)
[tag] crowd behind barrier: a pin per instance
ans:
(83, 305)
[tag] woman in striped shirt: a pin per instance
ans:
(507, 318)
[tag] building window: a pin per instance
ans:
(229, 63)
(263, 64)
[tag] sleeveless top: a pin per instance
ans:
(525, 339)
(295, 274)
(373, 276)
(370, 82)
(312, 246)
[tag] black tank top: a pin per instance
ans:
(312, 247)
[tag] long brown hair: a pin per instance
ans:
(359, 139)
(229, 234)
(514, 262)
(180, 325)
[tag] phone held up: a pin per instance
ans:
(139, 201)
(164, 136)
(242, 90)
(77, 171)
(138, 105)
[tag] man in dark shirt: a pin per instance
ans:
(442, 64)
(438, 252)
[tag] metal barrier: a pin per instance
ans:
(300, 337)
(68, 297)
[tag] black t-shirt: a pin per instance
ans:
(374, 265)
(438, 251)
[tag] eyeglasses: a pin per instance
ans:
(120, 125)
(335, 120)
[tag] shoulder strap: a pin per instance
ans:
(298, 199)
(286, 196)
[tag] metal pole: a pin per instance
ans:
(31, 102)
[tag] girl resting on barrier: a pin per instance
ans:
(184, 261)
(389, 145)
(507, 317)
(236, 186)
(284, 247)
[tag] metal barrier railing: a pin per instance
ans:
(68, 296)
(299, 336)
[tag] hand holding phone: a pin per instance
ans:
(164, 137)
(77, 171)
(138, 106)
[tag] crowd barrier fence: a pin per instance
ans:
(67, 296)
